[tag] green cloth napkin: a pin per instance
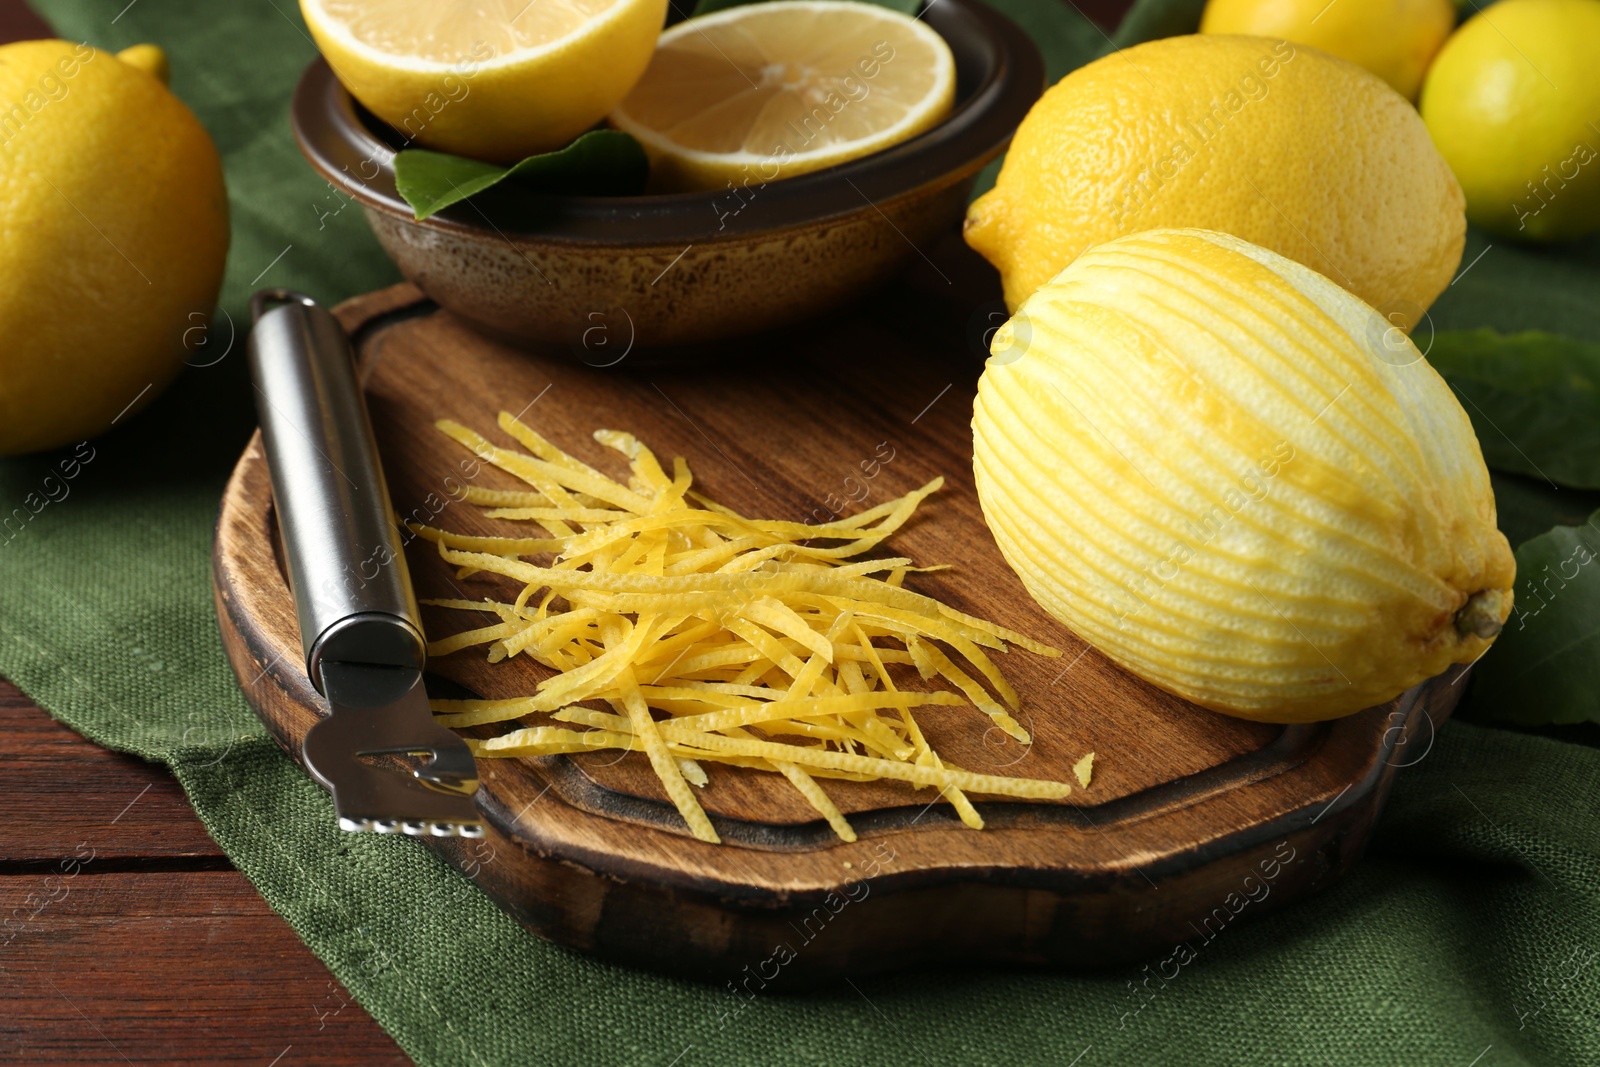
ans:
(1467, 937)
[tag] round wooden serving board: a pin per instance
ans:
(1192, 818)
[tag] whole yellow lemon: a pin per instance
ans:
(1288, 148)
(1395, 39)
(116, 230)
(1513, 102)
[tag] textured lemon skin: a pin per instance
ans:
(1236, 480)
(116, 232)
(1288, 148)
(1510, 102)
(1394, 39)
(501, 111)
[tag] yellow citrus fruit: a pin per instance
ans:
(1513, 102)
(116, 223)
(1235, 479)
(772, 90)
(491, 79)
(1288, 148)
(1395, 39)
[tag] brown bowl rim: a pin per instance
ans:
(328, 127)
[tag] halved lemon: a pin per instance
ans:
(492, 79)
(768, 91)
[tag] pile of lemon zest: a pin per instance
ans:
(657, 601)
(934, 663)
(655, 747)
(468, 638)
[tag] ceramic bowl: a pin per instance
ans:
(603, 275)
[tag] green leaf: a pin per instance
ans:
(1527, 507)
(1149, 20)
(1511, 288)
(599, 163)
(1545, 666)
(706, 7)
(1534, 400)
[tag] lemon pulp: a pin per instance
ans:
(492, 79)
(778, 89)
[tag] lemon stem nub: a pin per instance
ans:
(148, 58)
(1481, 615)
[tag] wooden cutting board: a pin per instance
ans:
(1193, 820)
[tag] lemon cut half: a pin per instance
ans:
(492, 79)
(773, 90)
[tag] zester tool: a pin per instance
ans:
(390, 767)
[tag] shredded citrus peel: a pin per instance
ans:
(753, 641)
(1083, 770)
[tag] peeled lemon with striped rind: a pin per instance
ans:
(1237, 480)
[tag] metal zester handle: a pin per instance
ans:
(352, 591)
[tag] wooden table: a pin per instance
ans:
(131, 937)
(155, 949)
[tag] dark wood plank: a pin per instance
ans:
(124, 932)
(61, 794)
(166, 967)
